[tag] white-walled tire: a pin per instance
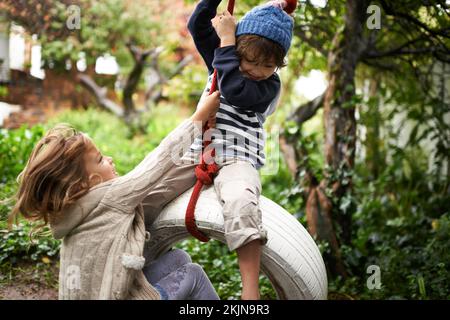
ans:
(290, 259)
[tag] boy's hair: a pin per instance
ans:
(54, 177)
(259, 49)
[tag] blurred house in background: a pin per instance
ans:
(25, 86)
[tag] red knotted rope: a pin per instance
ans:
(205, 171)
(207, 168)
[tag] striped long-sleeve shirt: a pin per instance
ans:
(245, 103)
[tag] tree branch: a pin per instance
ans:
(137, 53)
(292, 154)
(405, 49)
(307, 110)
(380, 65)
(400, 51)
(100, 95)
(390, 11)
(139, 57)
(160, 80)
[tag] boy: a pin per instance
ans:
(246, 57)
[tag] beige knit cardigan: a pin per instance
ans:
(103, 234)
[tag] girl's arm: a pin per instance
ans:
(202, 31)
(128, 191)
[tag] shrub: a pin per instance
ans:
(15, 147)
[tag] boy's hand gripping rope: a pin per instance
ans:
(207, 168)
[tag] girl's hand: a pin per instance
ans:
(207, 108)
(212, 121)
(225, 26)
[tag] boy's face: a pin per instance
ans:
(256, 70)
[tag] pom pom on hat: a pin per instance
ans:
(287, 5)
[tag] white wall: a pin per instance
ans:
(17, 48)
(4, 49)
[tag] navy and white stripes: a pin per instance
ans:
(238, 134)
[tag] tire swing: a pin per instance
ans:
(290, 259)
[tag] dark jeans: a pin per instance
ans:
(177, 278)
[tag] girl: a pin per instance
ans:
(101, 217)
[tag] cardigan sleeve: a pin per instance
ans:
(128, 191)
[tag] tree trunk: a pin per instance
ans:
(139, 57)
(340, 137)
(374, 151)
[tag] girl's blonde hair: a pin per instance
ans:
(55, 175)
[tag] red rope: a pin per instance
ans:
(205, 171)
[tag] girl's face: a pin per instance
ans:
(100, 168)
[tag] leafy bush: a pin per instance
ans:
(15, 245)
(15, 147)
(401, 224)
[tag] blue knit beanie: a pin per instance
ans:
(269, 21)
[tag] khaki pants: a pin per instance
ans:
(238, 189)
